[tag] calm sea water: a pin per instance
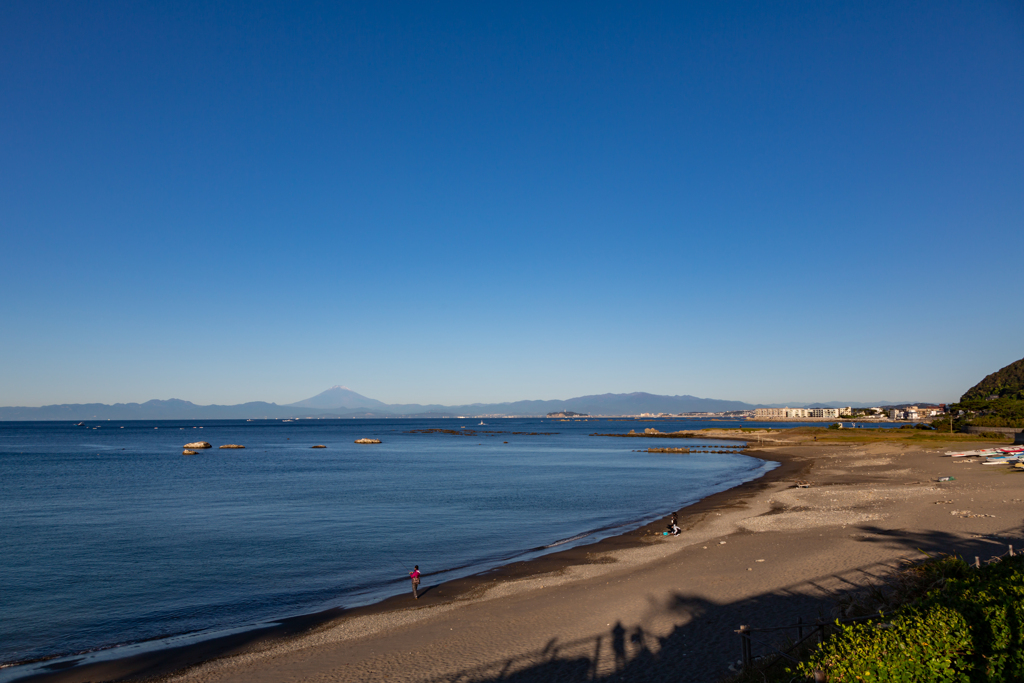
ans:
(109, 535)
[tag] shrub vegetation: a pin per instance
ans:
(968, 627)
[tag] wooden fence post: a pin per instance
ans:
(745, 645)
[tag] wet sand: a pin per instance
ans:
(641, 606)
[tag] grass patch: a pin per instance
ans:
(866, 435)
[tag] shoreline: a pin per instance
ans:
(163, 662)
(765, 553)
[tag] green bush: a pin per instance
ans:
(969, 629)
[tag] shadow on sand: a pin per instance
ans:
(702, 646)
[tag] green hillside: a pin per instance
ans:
(996, 401)
(1006, 383)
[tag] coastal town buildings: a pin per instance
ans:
(915, 412)
(799, 413)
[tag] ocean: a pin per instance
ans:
(111, 538)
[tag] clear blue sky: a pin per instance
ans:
(769, 202)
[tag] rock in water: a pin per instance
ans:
(188, 452)
(198, 444)
(232, 445)
(367, 440)
(318, 446)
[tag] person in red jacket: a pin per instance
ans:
(415, 576)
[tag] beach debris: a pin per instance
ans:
(803, 484)
(947, 478)
(318, 446)
(188, 452)
(196, 444)
(758, 560)
(232, 445)
(967, 514)
(721, 543)
(367, 441)
(943, 502)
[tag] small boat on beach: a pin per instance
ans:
(979, 453)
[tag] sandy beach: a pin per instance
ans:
(643, 606)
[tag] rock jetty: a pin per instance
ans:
(367, 440)
(232, 445)
(198, 444)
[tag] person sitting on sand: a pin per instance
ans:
(415, 576)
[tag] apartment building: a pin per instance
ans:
(791, 413)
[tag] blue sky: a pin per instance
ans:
(760, 201)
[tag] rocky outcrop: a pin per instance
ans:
(651, 430)
(198, 444)
(188, 452)
(367, 440)
(318, 446)
(232, 445)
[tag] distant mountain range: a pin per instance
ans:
(339, 401)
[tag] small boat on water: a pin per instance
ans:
(481, 424)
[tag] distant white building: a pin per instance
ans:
(769, 413)
(791, 413)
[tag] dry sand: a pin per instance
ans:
(647, 607)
